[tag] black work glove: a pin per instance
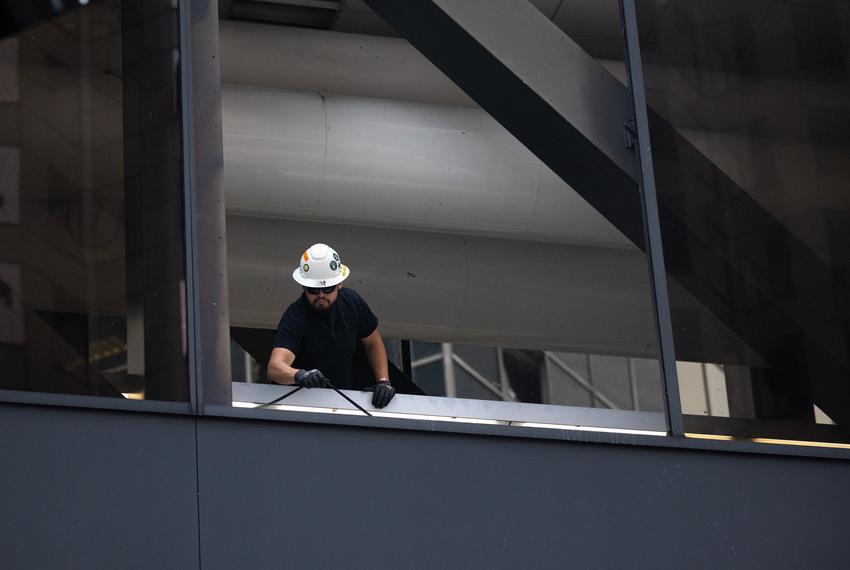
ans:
(382, 395)
(311, 378)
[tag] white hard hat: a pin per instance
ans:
(320, 266)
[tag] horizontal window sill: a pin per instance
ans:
(456, 410)
(335, 411)
(588, 425)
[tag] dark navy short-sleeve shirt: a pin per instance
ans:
(326, 341)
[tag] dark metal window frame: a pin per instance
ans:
(200, 356)
(651, 223)
(187, 125)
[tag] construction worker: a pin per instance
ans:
(318, 333)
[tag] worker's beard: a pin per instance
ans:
(323, 305)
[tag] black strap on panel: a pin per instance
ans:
(329, 385)
(276, 400)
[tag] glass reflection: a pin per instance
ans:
(749, 120)
(91, 234)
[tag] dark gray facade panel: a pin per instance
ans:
(298, 496)
(102, 489)
(96, 489)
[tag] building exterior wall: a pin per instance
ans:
(101, 489)
(97, 489)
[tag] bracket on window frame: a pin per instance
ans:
(629, 133)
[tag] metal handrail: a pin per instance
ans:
(581, 381)
(426, 360)
(499, 389)
(477, 375)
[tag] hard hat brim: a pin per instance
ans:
(344, 273)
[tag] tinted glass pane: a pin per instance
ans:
(458, 226)
(750, 108)
(91, 251)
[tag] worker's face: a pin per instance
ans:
(320, 300)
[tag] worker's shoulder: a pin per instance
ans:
(296, 308)
(350, 295)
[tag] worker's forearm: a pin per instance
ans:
(281, 373)
(377, 355)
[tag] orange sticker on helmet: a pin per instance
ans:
(306, 257)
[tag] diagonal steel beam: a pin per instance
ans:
(540, 85)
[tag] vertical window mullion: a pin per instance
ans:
(652, 225)
(189, 208)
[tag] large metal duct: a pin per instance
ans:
(310, 156)
(301, 59)
(455, 288)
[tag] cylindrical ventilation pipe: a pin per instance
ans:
(385, 163)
